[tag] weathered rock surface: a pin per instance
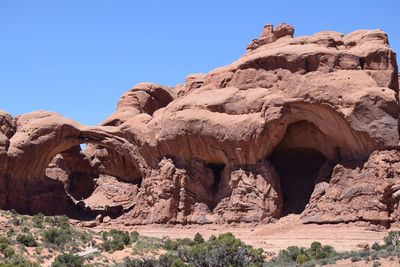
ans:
(278, 131)
(359, 191)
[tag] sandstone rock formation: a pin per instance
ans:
(305, 124)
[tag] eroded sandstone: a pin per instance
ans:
(306, 124)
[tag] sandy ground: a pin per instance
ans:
(275, 236)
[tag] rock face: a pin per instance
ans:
(306, 125)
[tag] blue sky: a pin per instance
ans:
(77, 57)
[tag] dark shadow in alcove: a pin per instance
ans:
(298, 170)
(217, 175)
(217, 170)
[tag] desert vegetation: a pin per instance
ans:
(30, 241)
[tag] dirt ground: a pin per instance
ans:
(275, 236)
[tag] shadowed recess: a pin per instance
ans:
(298, 170)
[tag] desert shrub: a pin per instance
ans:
(59, 221)
(376, 246)
(344, 255)
(147, 244)
(8, 252)
(169, 259)
(17, 221)
(224, 250)
(355, 258)
(38, 220)
(365, 253)
(11, 232)
(4, 244)
(178, 263)
(290, 254)
(134, 236)
(162, 262)
(317, 251)
(56, 236)
(170, 244)
(26, 240)
(4, 240)
(374, 255)
(376, 264)
(326, 261)
(38, 250)
(85, 237)
(392, 239)
(198, 238)
(140, 263)
(301, 259)
(68, 260)
(115, 240)
(18, 261)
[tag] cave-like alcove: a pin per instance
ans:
(298, 170)
(217, 171)
(217, 175)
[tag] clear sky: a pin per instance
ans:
(76, 57)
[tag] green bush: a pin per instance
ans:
(115, 240)
(355, 258)
(309, 264)
(392, 239)
(68, 260)
(59, 221)
(11, 232)
(4, 244)
(17, 221)
(317, 251)
(18, 261)
(38, 220)
(4, 240)
(177, 243)
(169, 259)
(198, 238)
(140, 263)
(290, 254)
(56, 236)
(134, 236)
(26, 240)
(85, 237)
(376, 246)
(326, 261)
(147, 244)
(224, 250)
(8, 252)
(300, 259)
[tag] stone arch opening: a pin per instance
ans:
(302, 159)
(97, 180)
(83, 181)
(108, 161)
(72, 168)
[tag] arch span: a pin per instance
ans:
(45, 135)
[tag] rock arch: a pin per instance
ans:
(46, 135)
(332, 135)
